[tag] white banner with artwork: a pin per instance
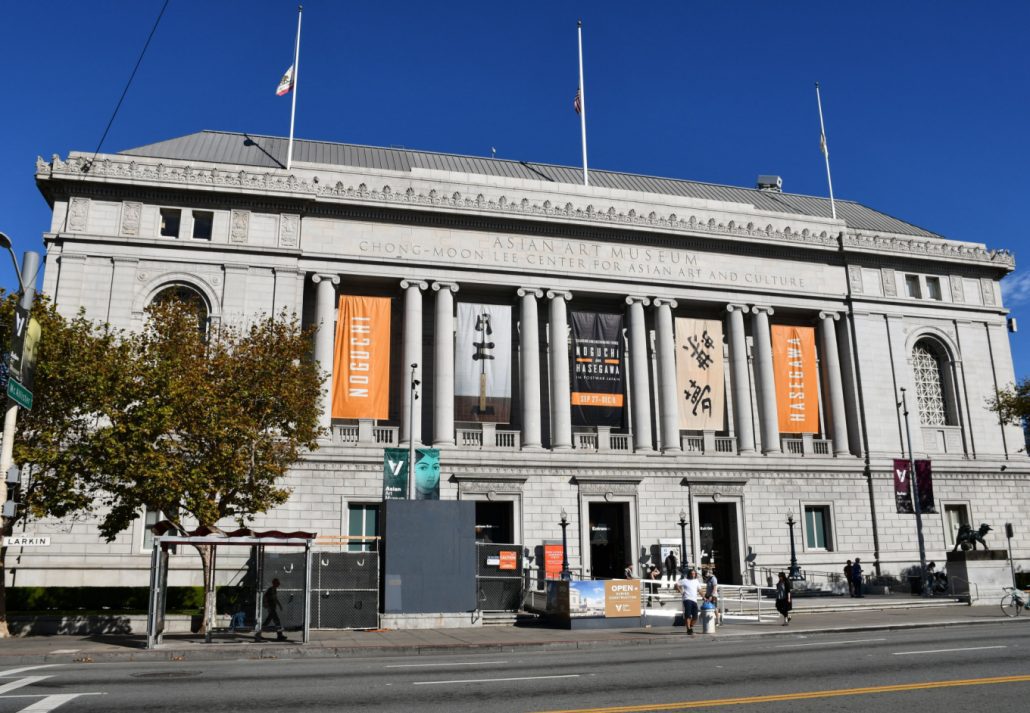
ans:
(482, 364)
(699, 374)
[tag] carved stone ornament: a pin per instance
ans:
(855, 278)
(890, 283)
(478, 487)
(707, 490)
(78, 214)
(239, 226)
(606, 489)
(987, 290)
(130, 219)
(957, 293)
(289, 230)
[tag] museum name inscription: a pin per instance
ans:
(573, 256)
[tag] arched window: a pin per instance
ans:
(188, 296)
(933, 387)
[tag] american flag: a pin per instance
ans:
(577, 103)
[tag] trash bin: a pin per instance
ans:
(707, 618)
(914, 584)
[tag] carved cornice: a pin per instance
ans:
(933, 248)
(695, 221)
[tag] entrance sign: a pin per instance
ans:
(598, 380)
(482, 364)
(797, 397)
(903, 487)
(700, 386)
(361, 363)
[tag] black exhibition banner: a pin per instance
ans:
(598, 381)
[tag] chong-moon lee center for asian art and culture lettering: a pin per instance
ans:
(626, 351)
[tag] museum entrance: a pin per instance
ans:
(610, 547)
(495, 522)
(719, 540)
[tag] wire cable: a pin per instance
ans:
(125, 91)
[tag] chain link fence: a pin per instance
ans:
(499, 576)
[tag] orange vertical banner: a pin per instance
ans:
(797, 384)
(361, 362)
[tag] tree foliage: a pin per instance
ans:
(198, 424)
(1013, 403)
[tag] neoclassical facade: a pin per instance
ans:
(214, 217)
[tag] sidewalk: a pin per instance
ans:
(414, 642)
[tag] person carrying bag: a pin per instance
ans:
(784, 603)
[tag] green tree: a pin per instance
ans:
(1013, 403)
(76, 372)
(203, 426)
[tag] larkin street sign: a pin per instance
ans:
(26, 541)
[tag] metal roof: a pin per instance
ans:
(270, 152)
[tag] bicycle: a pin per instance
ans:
(1014, 602)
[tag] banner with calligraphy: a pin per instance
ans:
(482, 364)
(361, 363)
(903, 487)
(598, 379)
(797, 384)
(700, 384)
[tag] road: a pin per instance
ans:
(981, 667)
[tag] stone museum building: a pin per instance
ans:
(631, 353)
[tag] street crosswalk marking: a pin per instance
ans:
(12, 671)
(27, 681)
(65, 651)
(53, 701)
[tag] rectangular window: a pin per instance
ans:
(817, 527)
(362, 521)
(170, 218)
(933, 288)
(150, 519)
(955, 516)
(912, 287)
(202, 222)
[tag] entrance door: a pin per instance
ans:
(609, 540)
(718, 540)
(495, 522)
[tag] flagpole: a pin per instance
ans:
(582, 105)
(296, 73)
(825, 149)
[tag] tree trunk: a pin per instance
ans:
(207, 562)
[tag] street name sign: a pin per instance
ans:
(26, 541)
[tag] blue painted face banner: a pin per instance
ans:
(427, 474)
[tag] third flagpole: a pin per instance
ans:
(296, 76)
(825, 149)
(582, 105)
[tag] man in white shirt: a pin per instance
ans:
(688, 587)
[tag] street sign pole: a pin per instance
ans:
(27, 278)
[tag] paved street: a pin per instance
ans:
(948, 668)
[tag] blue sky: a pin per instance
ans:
(926, 104)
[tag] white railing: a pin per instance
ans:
(821, 447)
(487, 437)
(508, 440)
(469, 437)
(725, 444)
(620, 442)
(385, 435)
(586, 441)
(346, 434)
(794, 446)
(693, 444)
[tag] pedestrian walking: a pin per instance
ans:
(654, 578)
(688, 586)
(784, 601)
(856, 577)
(628, 573)
(849, 577)
(712, 593)
(672, 567)
(270, 603)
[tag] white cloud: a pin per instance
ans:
(1015, 289)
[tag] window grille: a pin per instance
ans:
(929, 387)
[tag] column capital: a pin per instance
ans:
(420, 284)
(438, 286)
(743, 309)
(829, 315)
(635, 299)
(552, 294)
(762, 309)
(319, 277)
(534, 291)
(664, 302)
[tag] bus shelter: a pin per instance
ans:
(258, 541)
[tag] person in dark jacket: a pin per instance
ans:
(856, 577)
(784, 602)
(672, 566)
(849, 577)
(271, 604)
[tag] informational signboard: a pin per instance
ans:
(552, 561)
(622, 598)
(508, 559)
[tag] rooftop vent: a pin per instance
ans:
(770, 183)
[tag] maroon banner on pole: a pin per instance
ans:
(903, 487)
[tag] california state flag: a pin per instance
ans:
(286, 83)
